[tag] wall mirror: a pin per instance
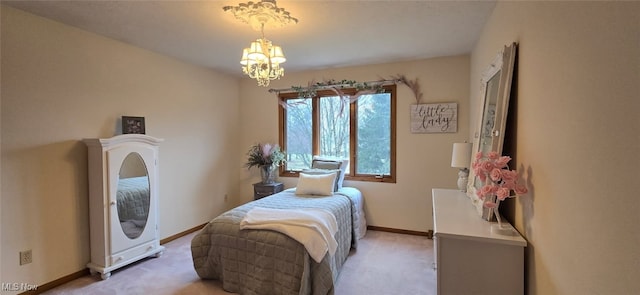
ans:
(489, 132)
(133, 195)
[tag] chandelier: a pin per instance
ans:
(262, 60)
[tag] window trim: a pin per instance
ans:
(351, 175)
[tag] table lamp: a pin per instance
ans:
(461, 158)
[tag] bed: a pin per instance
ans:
(252, 261)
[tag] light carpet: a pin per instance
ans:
(384, 263)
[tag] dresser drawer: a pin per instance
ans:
(129, 255)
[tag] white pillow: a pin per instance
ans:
(314, 171)
(321, 184)
(322, 161)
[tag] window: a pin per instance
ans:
(363, 132)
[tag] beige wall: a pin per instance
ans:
(423, 160)
(578, 140)
(61, 84)
(1, 277)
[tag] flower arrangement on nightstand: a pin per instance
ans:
(268, 157)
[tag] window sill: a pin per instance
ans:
(385, 179)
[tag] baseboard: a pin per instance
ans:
(61, 281)
(428, 234)
(182, 234)
(81, 273)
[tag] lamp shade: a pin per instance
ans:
(276, 54)
(461, 156)
(256, 51)
(245, 57)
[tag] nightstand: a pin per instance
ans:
(261, 190)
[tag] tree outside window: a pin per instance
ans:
(363, 132)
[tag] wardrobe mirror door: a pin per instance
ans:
(133, 195)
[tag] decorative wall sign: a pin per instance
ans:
(132, 125)
(434, 118)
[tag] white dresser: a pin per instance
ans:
(469, 257)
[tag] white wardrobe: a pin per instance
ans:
(123, 201)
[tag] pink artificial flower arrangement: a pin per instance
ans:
(498, 180)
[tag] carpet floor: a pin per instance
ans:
(384, 263)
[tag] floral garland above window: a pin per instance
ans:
(362, 88)
(337, 86)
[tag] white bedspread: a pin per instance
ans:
(313, 228)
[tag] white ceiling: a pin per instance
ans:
(328, 34)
